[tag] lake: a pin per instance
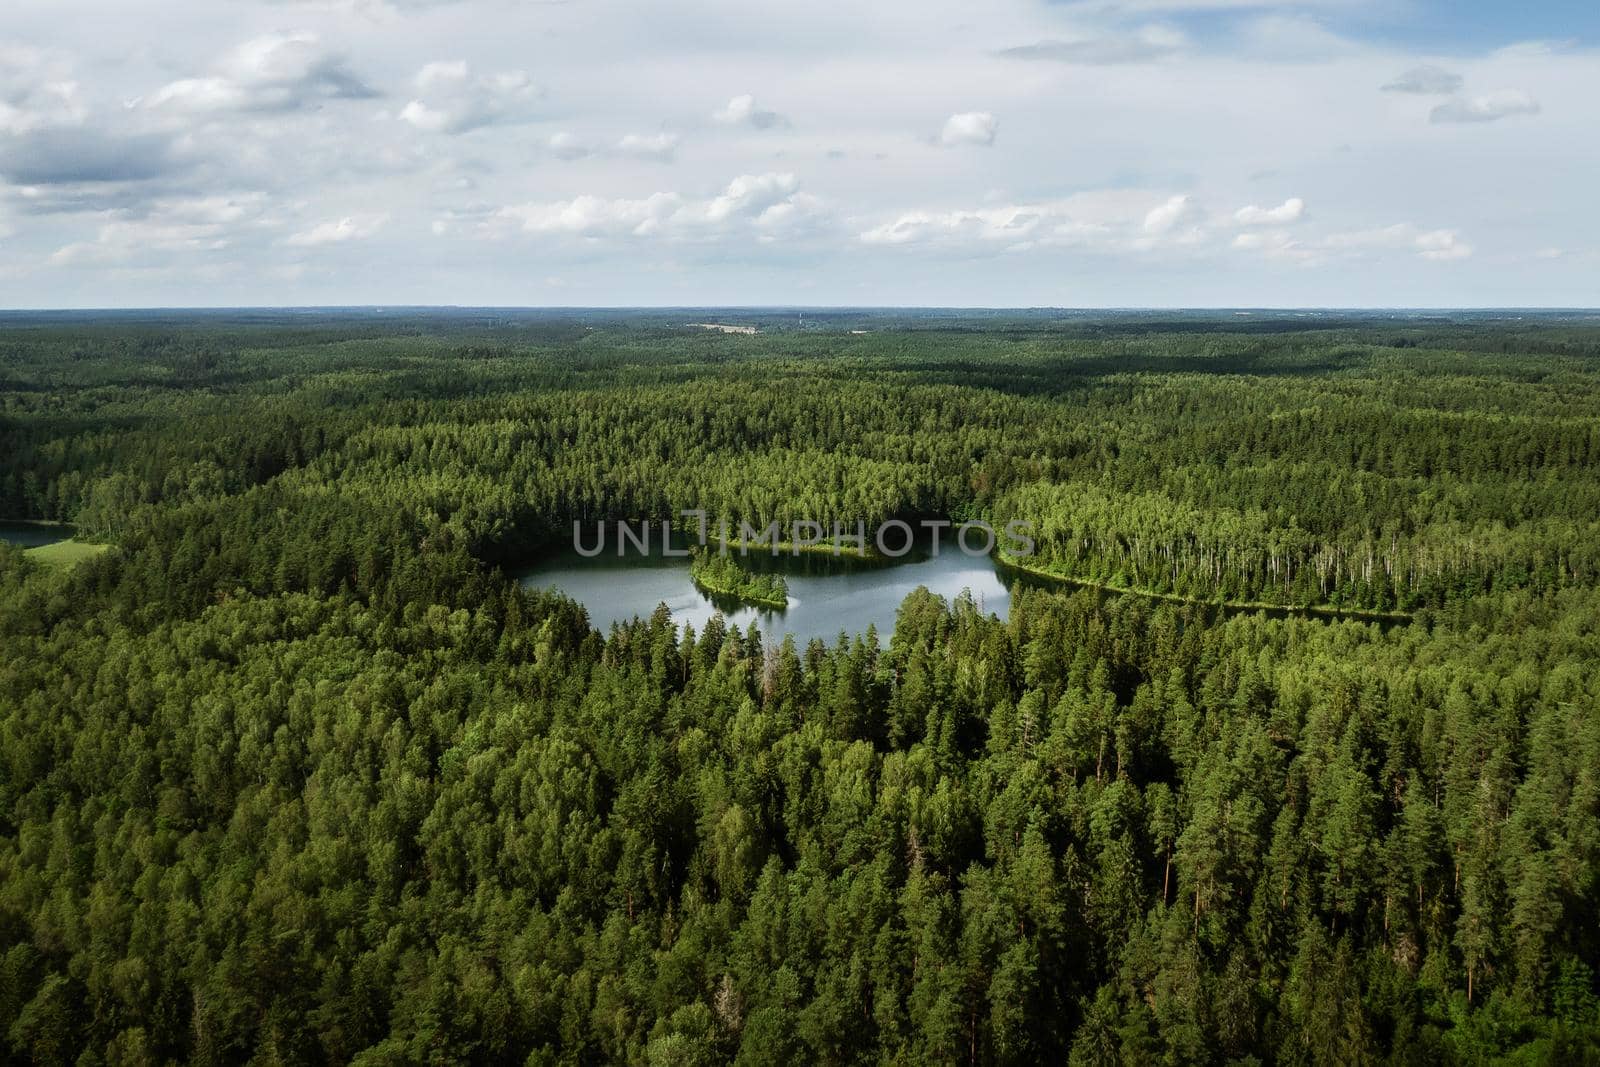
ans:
(827, 594)
(33, 534)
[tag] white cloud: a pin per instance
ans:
(176, 227)
(768, 205)
(377, 11)
(1291, 210)
(349, 228)
(1104, 49)
(1396, 236)
(1012, 223)
(119, 242)
(1425, 80)
(1109, 220)
(593, 216)
(1130, 222)
(1165, 217)
(743, 111)
(752, 195)
(1437, 245)
(1292, 37)
(276, 72)
(1487, 108)
(451, 99)
(1134, 7)
(564, 145)
(1278, 244)
(282, 116)
(654, 147)
(969, 128)
(204, 94)
(661, 147)
(478, 218)
(64, 158)
(1441, 246)
(1534, 49)
(36, 91)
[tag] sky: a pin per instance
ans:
(1009, 153)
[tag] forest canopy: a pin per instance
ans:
(292, 771)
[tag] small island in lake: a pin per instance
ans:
(723, 575)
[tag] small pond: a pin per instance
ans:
(827, 594)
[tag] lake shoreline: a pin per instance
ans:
(50, 542)
(825, 594)
(780, 549)
(43, 524)
(755, 602)
(1326, 611)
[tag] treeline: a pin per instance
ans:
(1150, 541)
(1291, 468)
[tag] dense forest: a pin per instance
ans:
(293, 772)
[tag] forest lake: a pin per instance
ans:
(828, 594)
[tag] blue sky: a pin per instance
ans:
(1463, 25)
(1472, 24)
(917, 152)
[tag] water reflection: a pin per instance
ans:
(33, 534)
(827, 594)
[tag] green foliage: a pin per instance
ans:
(65, 553)
(722, 574)
(292, 773)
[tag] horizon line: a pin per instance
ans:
(1076, 309)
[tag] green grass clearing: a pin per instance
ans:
(66, 553)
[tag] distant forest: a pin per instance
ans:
(293, 772)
